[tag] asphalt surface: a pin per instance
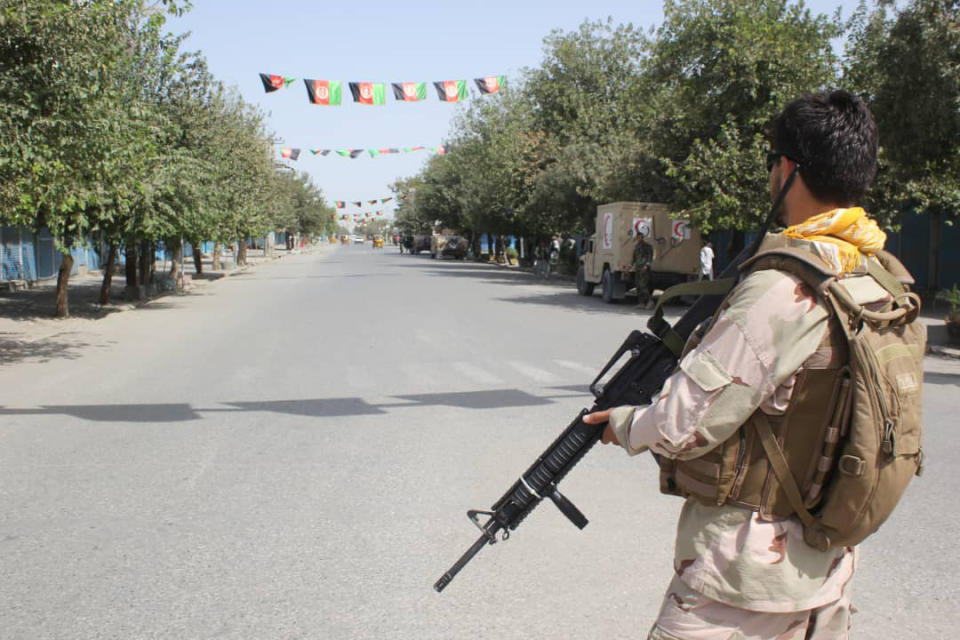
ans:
(290, 451)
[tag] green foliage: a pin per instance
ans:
(952, 297)
(908, 66)
(107, 125)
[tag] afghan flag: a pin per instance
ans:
(368, 92)
(357, 203)
(410, 91)
(345, 216)
(451, 90)
(379, 213)
(372, 201)
(326, 92)
(366, 215)
(490, 84)
(412, 149)
(349, 153)
(287, 152)
(402, 196)
(442, 149)
(386, 199)
(321, 152)
(340, 204)
(273, 83)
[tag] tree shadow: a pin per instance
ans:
(307, 407)
(931, 377)
(13, 350)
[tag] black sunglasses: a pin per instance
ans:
(772, 157)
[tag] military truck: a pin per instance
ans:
(606, 257)
(448, 244)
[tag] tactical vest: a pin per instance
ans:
(812, 447)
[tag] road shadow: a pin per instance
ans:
(307, 407)
(931, 377)
(83, 298)
(58, 347)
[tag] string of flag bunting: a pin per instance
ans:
(342, 204)
(330, 92)
(293, 153)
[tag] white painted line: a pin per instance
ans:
(576, 366)
(477, 374)
(541, 376)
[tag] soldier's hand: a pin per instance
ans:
(600, 417)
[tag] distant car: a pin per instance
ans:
(358, 239)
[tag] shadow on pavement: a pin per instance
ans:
(13, 350)
(931, 377)
(310, 407)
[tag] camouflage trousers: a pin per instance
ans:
(689, 615)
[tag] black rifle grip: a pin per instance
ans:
(568, 509)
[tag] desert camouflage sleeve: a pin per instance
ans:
(770, 326)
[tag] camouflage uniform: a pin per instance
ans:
(642, 259)
(738, 576)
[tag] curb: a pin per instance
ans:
(945, 352)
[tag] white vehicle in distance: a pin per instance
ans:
(358, 239)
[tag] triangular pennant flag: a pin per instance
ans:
(357, 203)
(386, 199)
(325, 92)
(442, 149)
(287, 152)
(451, 90)
(272, 82)
(340, 204)
(410, 91)
(411, 149)
(371, 202)
(368, 92)
(373, 152)
(490, 84)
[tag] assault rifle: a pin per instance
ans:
(650, 362)
(652, 357)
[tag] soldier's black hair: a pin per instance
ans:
(833, 137)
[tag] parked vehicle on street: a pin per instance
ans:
(359, 239)
(420, 243)
(442, 245)
(607, 256)
(378, 242)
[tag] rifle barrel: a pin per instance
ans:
(448, 577)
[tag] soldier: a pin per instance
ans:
(738, 572)
(642, 259)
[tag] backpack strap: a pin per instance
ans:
(813, 271)
(781, 469)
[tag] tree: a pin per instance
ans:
(908, 68)
(722, 69)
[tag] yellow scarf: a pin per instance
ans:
(850, 230)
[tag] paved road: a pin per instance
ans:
(289, 453)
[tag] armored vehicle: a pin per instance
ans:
(607, 256)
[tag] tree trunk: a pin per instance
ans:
(63, 309)
(108, 274)
(241, 253)
(197, 257)
(131, 266)
(177, 254)
(216, 257)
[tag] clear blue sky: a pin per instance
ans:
(382, 41)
